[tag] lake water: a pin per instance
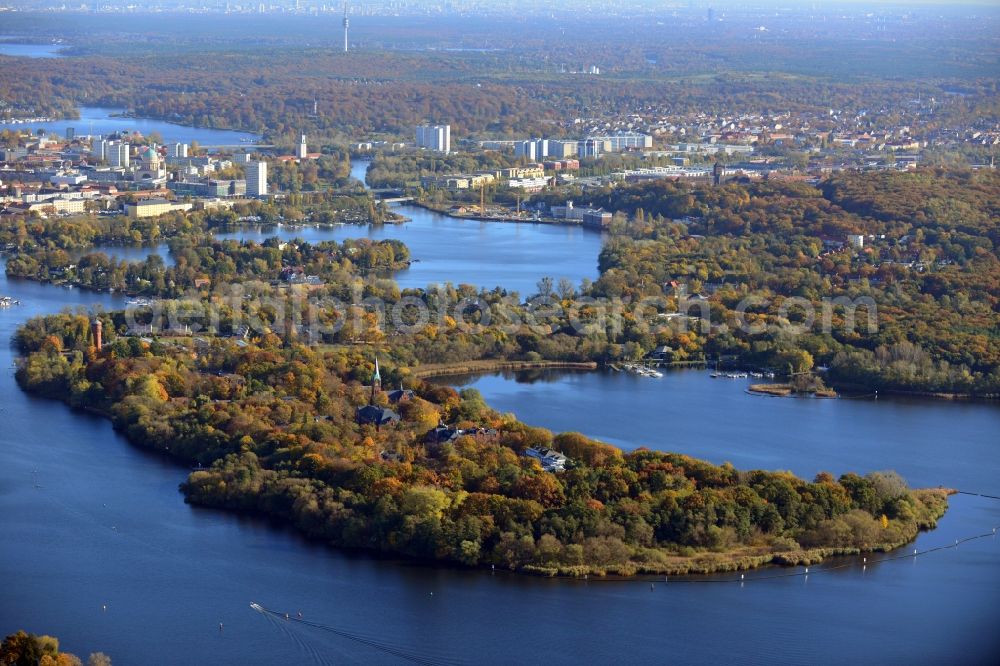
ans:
(100, 550)
(32, 50)
(717, 420)
(483, 254)
(447, 249)
(96, 120)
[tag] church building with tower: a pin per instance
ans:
(372, 414)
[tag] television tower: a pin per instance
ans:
(345, 27)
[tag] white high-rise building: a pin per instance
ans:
(99, 150)
(302, 151)
(256, 179)
(178, 150)
(118, 154)
(533, 149)
(527, 149)
(541, 148)
(434, 137)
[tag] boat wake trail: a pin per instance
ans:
(315, 655)
(403, 653)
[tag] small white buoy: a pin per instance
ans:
(742, 576)
(807, 569)
(914, 552)
(104, 607)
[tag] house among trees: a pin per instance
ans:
(661, 353)
(550, 459)
(443, 434)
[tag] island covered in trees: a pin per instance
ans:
(277, 428)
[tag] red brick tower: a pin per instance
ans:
(98, 337)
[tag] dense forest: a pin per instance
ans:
(929, 264)
(915, 309)
(188, 74)
(275, 426)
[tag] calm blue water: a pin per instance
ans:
(716, 420)
(483, 254)
(100, 120)
(90, 521)
(32, 50)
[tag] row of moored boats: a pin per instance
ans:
(742, 375)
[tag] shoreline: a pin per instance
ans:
(487, 366)
(548, 221)
(780, 390)
(706, 562)
(873, 393)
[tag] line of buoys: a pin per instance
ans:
(792, 574)
(805, 573)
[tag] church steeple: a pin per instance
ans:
(376, 382)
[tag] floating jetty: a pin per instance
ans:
(640, 370)
(7, 301)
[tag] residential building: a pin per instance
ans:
(590, 147)
(623, 141)
(434, 137)
(256, 179)
(550, 459)
(561, 149)
(527, 149)
(99, 150)
(528, 171)
(528, 184)
(302, 150)
(596, 219)
(208, 188)
(118, 154)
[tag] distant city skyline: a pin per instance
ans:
(375, 7)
